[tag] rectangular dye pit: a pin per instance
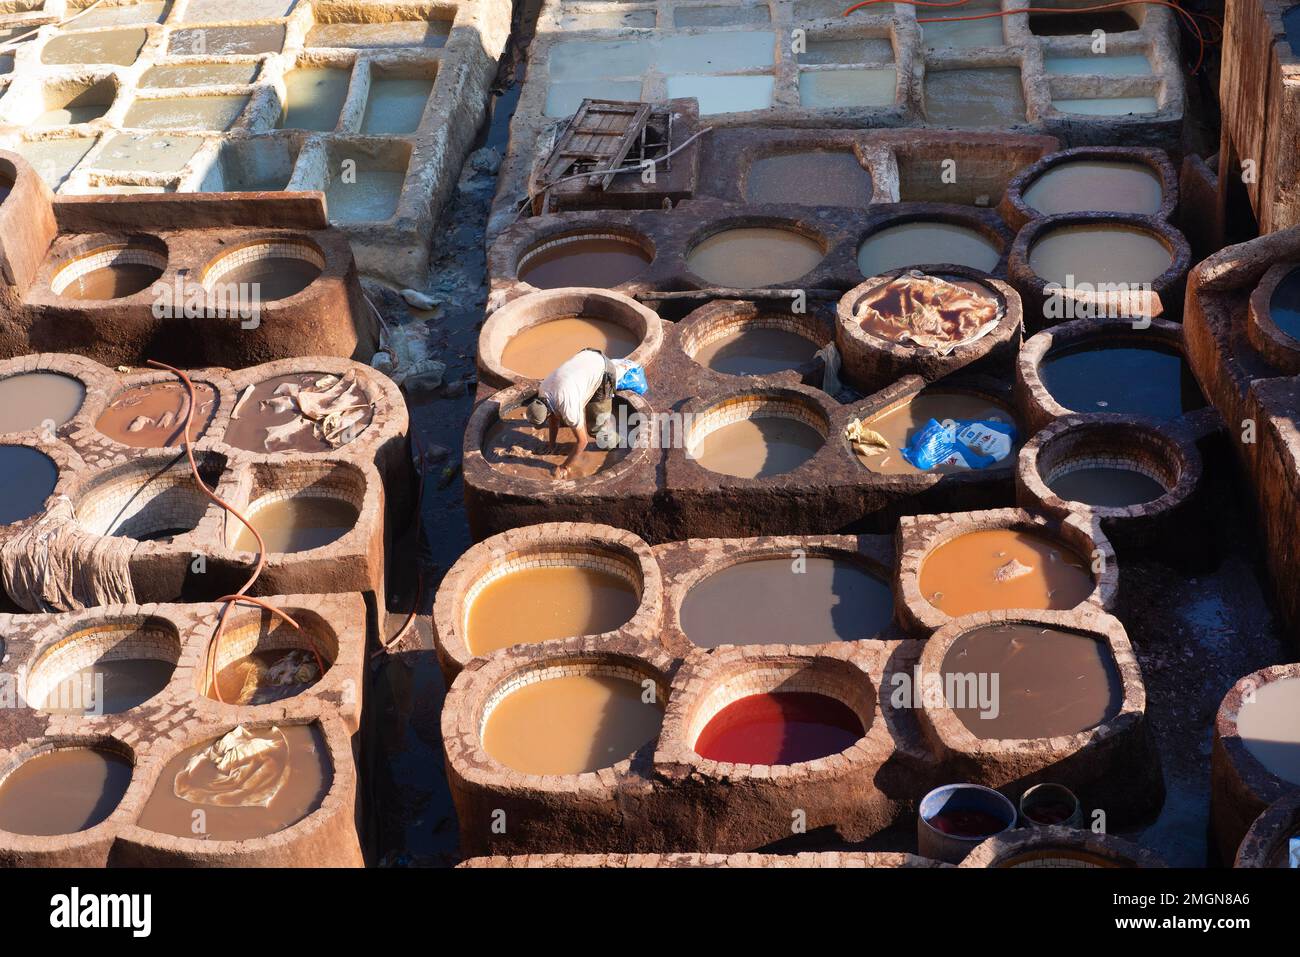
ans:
(430, 34)
(724, 94)
(226, 41)
(114, 47)
(314, 97)
(214, 113)
(120, 14)
(365, 183)
(54, 160)
(227, 11)
(251, 166)
(722, 16)
(66, 105)
(147, 153)
(182, 75)
(396, 101)
(1108, 106)
(835, 89)
(962, 33)
(975, 98)
(1131, 64)
(847, 52)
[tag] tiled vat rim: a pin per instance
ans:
(1248, 774)
(1269, 836)
(1017, 211)
(259, 251)
(1059, 846)
(180, 716)
(839, 230)
(106, 256)
(1108, 440)
(1037, 406)
(461, 70)
(920, 535)
(720, 319)
(835, 859)
(553, 544)
(544, 305)
(743, 407)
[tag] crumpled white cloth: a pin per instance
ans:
(241, 769)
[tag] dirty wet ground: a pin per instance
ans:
(1196, 630)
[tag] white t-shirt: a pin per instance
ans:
(569, 388)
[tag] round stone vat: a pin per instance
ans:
(1270, 840)
(930, 241)
(1108, 366)
(263, 271)
(525, 340)
(1255, 758)
(771, 596)
(150, 499)
(748, 339)
(262, 413)
(1056, 847)
(39, 400)
(1087, 179)
(757, 434)
(151, 415)
(299, 509)
(968, 563)
(105, 666)
(104, 269)
(1031, 696)
(56, 799)
(754, 253)
(262, 659)
(30, 479)
(596, 258)
(543, 584)
(1273, 323)
(884, 332)
(1135, 475)
(1098, 265)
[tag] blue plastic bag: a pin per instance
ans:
(633, 380)
(975, 444)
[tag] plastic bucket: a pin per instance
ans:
(953, 818)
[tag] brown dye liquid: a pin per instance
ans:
(120, 47)
(274, 277)
(153, 416)
(758, 447)
(1087, 185)
(1270, 727)
(264, 677)
(126, 682)
(884, 319)
(547, 602)
(297, 524)
(755, 350)
(539, 350)
(1072, 255)
(753, 256)
(30, 400)
(112, 282)
(571, 725)
(63, 791)
(811, 178)
(898, 426)
(310, 775)
(781, 601)
(999, 568)
(29, 479)
(598, 263)
(515, 446)
(1049, 682)
(248, 429)
(1107, 487)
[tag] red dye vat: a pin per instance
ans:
(1052, 812)
(781, 727)
(967, 823)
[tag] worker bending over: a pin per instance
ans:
(579, 394)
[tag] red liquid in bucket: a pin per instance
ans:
(967, 823)
(783, 727)
(1052, 812)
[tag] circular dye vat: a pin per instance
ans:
(599, 262)
(571, 724)
(515, 446)
(109, 686)
(993, 569)
(1096, 186)
(39, 400)
(63, 791)
(30, 477)
(898, 426)
(1270, 727)
(153, 416)
(258, 420)
(301, 757)
(809, 178)
(545, 602)
(1106, 486)
(110, 272)
(1049, 682)
(264, 272)
(296, 524)
(885, 315)
(539, 350)
(130, 663)
(757, 447)
(1144, 380)
(1071, 256)
(748, 257)
(809, 601)
(265, 677)
(756, 350)
(779, 727)
(923, 242)
(1284, 304)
